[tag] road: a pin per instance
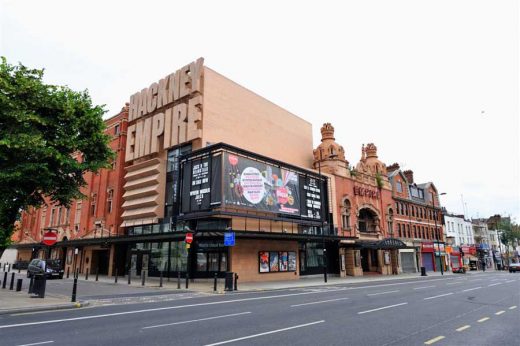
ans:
(477, 309)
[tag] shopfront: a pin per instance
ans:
(427, 256)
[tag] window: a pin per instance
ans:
(53, 216)
(399, 234)
(60, 215)
(110, 196)
(406, 209)
(421, 193)
(345, 214)
(67, 216)
(93, 205)
(77, 214)
(399, 186)
(116, 129)
(44, 215)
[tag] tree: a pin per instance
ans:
(509, 233)
(49, 137)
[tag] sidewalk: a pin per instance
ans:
(105, 289)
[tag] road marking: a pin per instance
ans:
(382, 308)
(499, 312)
(321, 301)
(454, 283)
(513, 307)
(200, 319)
(37, 343)
(159, 309)
(463, 328)
(472, 289)
(498, 283)
(421, 288)
(265, 333)
(440, 295)
(483, 319)
(434, 340)
(376, 294)
(510, 280)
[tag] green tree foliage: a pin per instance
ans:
(41, 127)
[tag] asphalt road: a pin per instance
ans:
(477, 309)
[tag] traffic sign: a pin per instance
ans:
(229, 239)
(50, 238)
(189, 238)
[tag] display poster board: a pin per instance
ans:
(276, 261)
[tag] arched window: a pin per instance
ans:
(345, 214)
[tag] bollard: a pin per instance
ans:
(9, 267)
(68, 272)
(115, 279)
(42, 290)
(129, 276)
(143, 275)
(31, 284)
(97, 273)
(187, 279)
(160, 279)
(19, 285)
(5, 280)
(178, 280)
(215, 283)
(11, 285)
(19, 269)
(74, 289)
(236, 281)
(86, 274)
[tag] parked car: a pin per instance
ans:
(514, 267)
(51, 268)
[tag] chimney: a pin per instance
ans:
(392, 167)
(409, 176)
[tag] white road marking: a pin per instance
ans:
(499, 312)
(513, 307)
(421, 288)
(472, 289)
(454, 283)
(159, 309)
(434, 340)
(483, 319)
(321, 301)
(382, 308)
(376, 294)
(440, 295)
(498, 283)
(510, 280)
(38, 343)
(463, 328)
(265, 333)
(198, 320)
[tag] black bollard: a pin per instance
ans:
(215, 283)
(5, 280)
(143, 275)
(31, 284)
(97, 273)
(42, 288)
(68, 272)
(129, 276)
(11, 285)
(178, 280)
(187, 279)
(19, 269)
(236, 281)
(9, 267)
(74, 289)
(19, 285)
(115, 279)
(86, 274)
(160, 279)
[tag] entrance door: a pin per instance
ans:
(138, 262)
(408, 262)
(427, 260)
(364, 260)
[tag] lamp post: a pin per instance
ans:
(435, 219)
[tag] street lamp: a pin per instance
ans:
(322, 214)
(435, 219)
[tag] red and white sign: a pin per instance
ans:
(50, 238)
(189, 238)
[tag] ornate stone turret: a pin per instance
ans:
(369, 163)
(329, 154)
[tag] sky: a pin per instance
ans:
(434, 84)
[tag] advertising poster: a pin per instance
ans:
(264, 261)
(258, 185)
(292, 261)
(273, 262)
(283, 261)
(311, 198)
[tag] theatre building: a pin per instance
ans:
(364, 209)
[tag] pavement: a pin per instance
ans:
(472, 309)
(105, 291)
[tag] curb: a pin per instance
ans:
(44, 308)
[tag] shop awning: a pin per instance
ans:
(385, 244)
